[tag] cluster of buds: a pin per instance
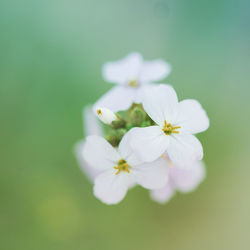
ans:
(140, 134)
(117, 125)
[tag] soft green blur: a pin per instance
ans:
(51, 54)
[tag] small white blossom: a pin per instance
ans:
(120, 169)
(106, 115)
(180, 180)
(132, 75)
(176, 122)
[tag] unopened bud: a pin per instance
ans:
(137, 116)
(114, 137)
(106, 115)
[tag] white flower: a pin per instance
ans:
(131, 74)
(180, 180)
(120, 169)
(106, 115)
(91, 127)
(175, 125)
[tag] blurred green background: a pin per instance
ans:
(51, 53)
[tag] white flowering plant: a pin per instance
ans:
(140, 134)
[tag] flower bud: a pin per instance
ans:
(106, 115)
(137, 116)
(115, 136)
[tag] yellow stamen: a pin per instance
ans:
(98, 111)
(169, 129)
(163, 156)
(122, 165)
(133, 83)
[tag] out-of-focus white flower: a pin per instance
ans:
(120, 169)
(180, 180)
(133, 70)
(91, 124)
(132, 74)
(106, 115)
(91, 127)
(90, 172)
(176, 124)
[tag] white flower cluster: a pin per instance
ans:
(146, 137)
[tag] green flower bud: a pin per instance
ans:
(129, 126)
(114, 137)
(118, 123)
(120, 133)
(146, 124)
(137, 116)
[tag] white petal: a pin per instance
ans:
(188, 180)
(116, 99)
(90, 172)
(139, 92)
(161, 103)
(149, 143)
(184, 150)
(99, 153)
(153, 175)
(154, 71)
(124, 70)
(126, 150)
(191, 117)
(162, 195)
(110, 188)
(91, 123)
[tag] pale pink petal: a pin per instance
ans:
(188, 180)
(164, 194)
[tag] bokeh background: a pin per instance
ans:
(51, 54)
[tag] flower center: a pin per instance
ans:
(122, 165)
(133, 83)
(169, 129)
